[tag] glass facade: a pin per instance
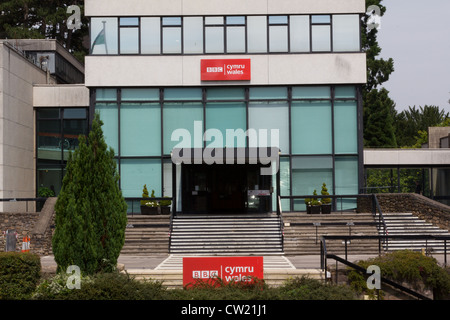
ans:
(315, 128)
(57, 134)
(225, 34)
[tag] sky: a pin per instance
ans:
(416, 35)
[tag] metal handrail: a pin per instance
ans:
(280, 215)
(375, 207)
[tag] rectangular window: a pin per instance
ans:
(346, 177)
(222, 118)
(308, 174)
(278, 34)
(150, 35)
(171, 27)
(345, 127)
(311, 127)
(134, 173)
(346, 32)
(214, 35)
(109, 114)
(257, 34)
(236, 35)
(193, 34)
(299, 33)
(321, 33)
(140, 129)
(104, 36)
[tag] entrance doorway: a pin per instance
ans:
(221, 188)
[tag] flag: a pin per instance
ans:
(100, 39)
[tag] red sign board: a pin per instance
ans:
(228, 269)
(225, 69)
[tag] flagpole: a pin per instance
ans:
(104, 34)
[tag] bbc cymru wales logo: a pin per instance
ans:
(214, 69)
(205, 274)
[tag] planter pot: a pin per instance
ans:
(326, 208)
(149, 210)
(308, 209)
(165, 210)
(315, 209)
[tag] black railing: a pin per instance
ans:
(40, 200)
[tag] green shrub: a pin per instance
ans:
(305, 288)
(406, 266)
(101, 286)
(19, 274)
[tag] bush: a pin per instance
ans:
(19, 274)
(406, 266)
(311, 289)
(101, 286)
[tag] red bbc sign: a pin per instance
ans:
(225, 70)
(228, 269)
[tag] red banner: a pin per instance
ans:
(227, 269)
(225, 69)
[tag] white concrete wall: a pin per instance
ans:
(219, 7)
(302, 69)
(394, 157)
(17, 162)
(60, 96)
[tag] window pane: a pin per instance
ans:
(271, 116)
(345, 127)
(299, 33)
(223, 116)
(129, 21)
(308, 174)
(181, 116)
(104, 36)
(139, 94)
(311, 127)
(140, 129)
(320, 19)
(213, 20)
(75, 113)
(278, 39)
(48, 113)
(72, 129)
(172, 40)
(150, 35)
(214, 42)
(257, 33)
(129, 40)
(49, 140)
(278, 20)
(345, 92)
(135, 173)
(106, 94)
(183, 94)
(311, 93)
(321, 39)
(268, 93)
(171, 21)
(235, 39)
(235, 20)
(346, 176)
(346, 33)
(109, 114)
(193, 34)
(225, 93)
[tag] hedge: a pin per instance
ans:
(19, 275)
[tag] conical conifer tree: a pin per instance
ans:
(90, 210)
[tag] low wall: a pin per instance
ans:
(420, 206)
(36, 225)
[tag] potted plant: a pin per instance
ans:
(315, 204)
(165, 206)
(326, 202)
(308, 205)
(147, 206)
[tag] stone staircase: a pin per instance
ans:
(147, 235)
(226, 234)
(302, 232)
(400, 224)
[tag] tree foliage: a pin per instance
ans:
(45, 19)
(90, 210)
